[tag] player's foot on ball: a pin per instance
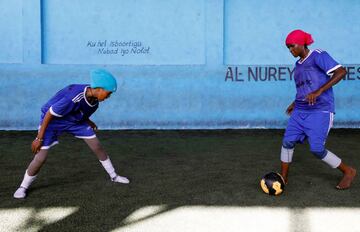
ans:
(20, 193)
(347, 179)
(120, 179)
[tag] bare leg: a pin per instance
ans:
(286, 155)
(348, 177)
(104, 159)
(96, 147)
(285, 171)
(37, 162)
(30, 174)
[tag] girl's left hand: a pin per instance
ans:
(36, 145)
(92, 125)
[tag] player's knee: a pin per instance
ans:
(40, 159)
(98, 150)
(320, 154)
(288, 144)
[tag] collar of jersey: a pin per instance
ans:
(301, 62)
(86, 99)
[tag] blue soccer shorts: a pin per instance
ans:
(314, 126)
(57, 127)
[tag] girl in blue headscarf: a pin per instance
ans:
(69, 110)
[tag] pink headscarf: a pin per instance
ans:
(299, 37)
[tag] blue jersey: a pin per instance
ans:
(310, 74)
(70, 104)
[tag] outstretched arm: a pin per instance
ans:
(337, 76)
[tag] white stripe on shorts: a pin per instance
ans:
(86, 137)
(331, 122)
(51, 145)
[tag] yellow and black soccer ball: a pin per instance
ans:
(272, 183)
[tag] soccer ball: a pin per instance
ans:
(272, 183)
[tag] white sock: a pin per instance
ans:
(27, 180)
(331, 159)
(109, 167)
(286, 155)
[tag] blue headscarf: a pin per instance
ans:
(100, 78)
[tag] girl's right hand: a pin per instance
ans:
(36, 145)
(290, 108)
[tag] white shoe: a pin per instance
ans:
(20, 193)
(120, 179)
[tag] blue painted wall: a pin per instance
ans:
(11, 31)
(124, 32)
(181, 64)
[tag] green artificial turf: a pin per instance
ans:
(173, 169)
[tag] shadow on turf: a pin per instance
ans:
(174, 169)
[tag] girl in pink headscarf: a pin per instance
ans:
(312, 112)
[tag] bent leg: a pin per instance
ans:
(37, 162)
(95, 146)
(31, 173)
(294, 133)
(317, 138)
(287, 151)
(349, 174)
(334, 161)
